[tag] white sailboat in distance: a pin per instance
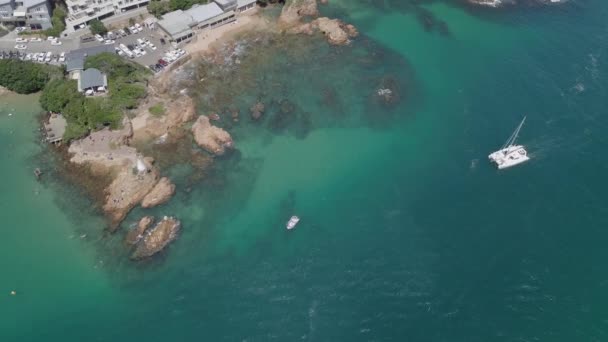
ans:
(510, 154)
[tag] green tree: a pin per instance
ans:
(158, 7)
(97, 27)
(58, 21)
(58, 93)
(25, 77)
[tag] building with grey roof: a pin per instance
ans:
(178, 26)
(244, 5)
(72, 65)
(210, 15)
(33, 13)
(92, 78)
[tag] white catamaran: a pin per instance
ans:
(510, 154)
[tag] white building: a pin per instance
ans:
(81, 12)
(180, 26)
(33, 13)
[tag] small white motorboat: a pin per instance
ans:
(510, 154)
(293, 221)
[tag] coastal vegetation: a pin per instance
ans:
(26, 77)
(84, 114)
(157, 110)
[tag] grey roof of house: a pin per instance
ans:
(241, 3)
(74, 64)
(89, 51)
(226, 3)
(4, 2)
(204, 12)
(176, 22)
(92, 78)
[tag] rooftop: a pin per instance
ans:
(30, 3)
(176, 22)
(241, 3)
(74, 64)
(91, 78)
(226, 3)
(89, 51)
(204, 12)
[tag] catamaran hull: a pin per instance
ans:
(511, 156)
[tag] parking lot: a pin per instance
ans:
(151, 56)
(130, 41)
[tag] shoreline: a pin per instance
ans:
(135, 180)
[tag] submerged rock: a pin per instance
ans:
(294, 10)
(157, 238)
(134, 235)
(211, 138)
(257, 110)
(161, 193)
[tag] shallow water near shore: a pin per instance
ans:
(406, 233)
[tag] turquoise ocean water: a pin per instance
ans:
(407, 233)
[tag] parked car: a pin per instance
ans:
(20, 29)
(40, 57)
(111, 35)
(35, 40)
(99, 38)
(48, 57)
(20, 40)
(121, 33)
(62, 57)
(139, 28)
(109, 41)
(127, 31)
(133, 29)
(51, 38)
(20, 46)
(163, 62)
(55, 42)
(162, 41)
(86, 39)
(152, 46)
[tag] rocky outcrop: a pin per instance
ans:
(127, 190)
(157, 238)
(211, 138)
(134, 235)
(336, 31)
(178, 111)
(294, 10)
(161, 193)
(257, 110)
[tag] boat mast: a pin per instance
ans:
(514, 136)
